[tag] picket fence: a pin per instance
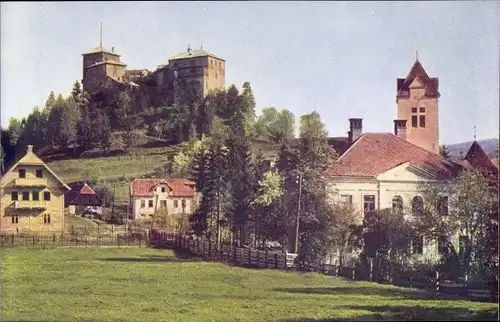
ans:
(285, 261)
(237, 255)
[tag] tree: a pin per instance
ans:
(249, 108)
(15, 130)
(462, 206)
(443, 151)
(275, 126)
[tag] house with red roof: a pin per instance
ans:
(384, 170)
(175, 196)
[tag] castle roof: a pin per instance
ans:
(193, 53)
(100, 50)
(431, 84)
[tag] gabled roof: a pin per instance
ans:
(477, 159)
(31, 158)
(83, 195)
(179, 187)
(375, 153)
(194, 53)
(100, 50)
(431, 84)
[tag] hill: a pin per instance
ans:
(490, 146)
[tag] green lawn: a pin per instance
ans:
(143, 284)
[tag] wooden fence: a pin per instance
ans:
(237, 255)
(66, 240)
(278, 260)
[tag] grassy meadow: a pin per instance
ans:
(144, 284)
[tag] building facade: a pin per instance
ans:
(32, 197)
(101, 65)
(173, 196)
(417, 103)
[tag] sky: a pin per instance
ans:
(340, 59)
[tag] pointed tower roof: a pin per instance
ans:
(417, 71)
(478, 159)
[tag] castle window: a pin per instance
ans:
(39, 173)
(26, 195)
(14, 195)
(422, 120)
(414, 110)
(15, 218)
(22, 173)
(422, 110)
(414, 121)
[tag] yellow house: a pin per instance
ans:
(32, 197)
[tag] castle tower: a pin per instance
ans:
(196, 70)
(417, 99)
(101, 65)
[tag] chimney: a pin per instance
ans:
(355, 129)
(400, 129)
(30, 149)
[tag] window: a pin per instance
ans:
(143, 203)
(414, 110)
(46, 218)
(422, 110)
(346, 199)
(442, 206)
(26, 195)
(397, 203)
(443, 246)
(163, 203)
(417, 244)
(46, 196)
(417, 205)
(422, 120)
(22, 173)
(414, 120)
(39, 173)
(163, 189)
(14, 195)
(35, 195)
(369, 203)
(15, 218)
(176, 203)
(150, 203)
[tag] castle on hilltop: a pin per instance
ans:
(195, 69)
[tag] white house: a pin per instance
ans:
(383, 170)
(150, 195)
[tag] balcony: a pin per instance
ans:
(30, 182)
(30, 204)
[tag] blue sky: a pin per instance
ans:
(338, 58)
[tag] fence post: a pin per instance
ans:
(276, 260)
(249, 257)
(265, 257)
(354, 272)
(371, 269)
(33, 240)
(210, 248)
(258, 258)
(437, 282)
(54, 239)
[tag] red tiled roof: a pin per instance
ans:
(180, 187)
(376, 153)
(86, 190)
(417, 70)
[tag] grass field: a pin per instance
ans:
(143, 284)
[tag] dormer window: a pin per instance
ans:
(22, 173)
(39, 173)
(163, 189)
